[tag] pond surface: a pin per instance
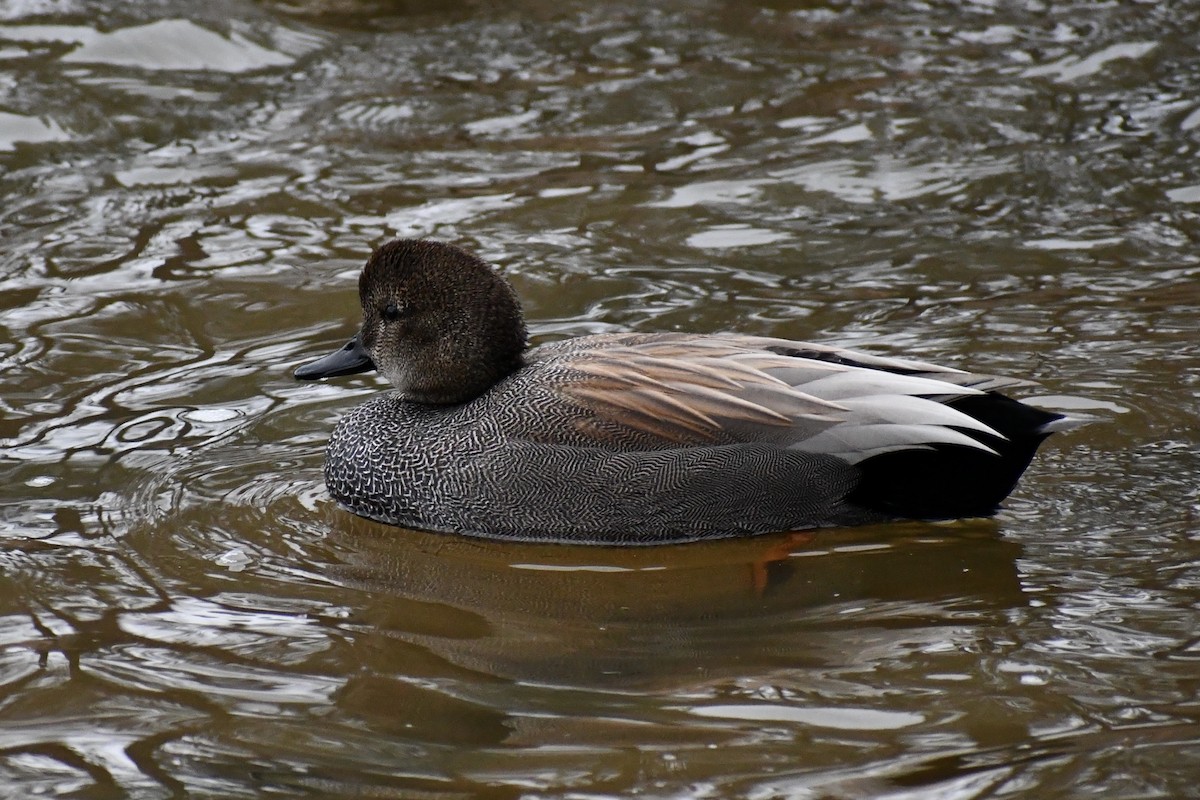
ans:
(189, 191)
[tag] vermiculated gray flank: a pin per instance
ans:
(645, 438)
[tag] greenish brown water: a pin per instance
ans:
(189, 191)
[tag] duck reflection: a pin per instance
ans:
(624, 617)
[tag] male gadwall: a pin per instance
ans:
(645, 438)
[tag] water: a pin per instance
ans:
(188, 195)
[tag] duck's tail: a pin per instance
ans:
(949, 481)
(1067, 413)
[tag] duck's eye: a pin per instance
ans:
(391, 312)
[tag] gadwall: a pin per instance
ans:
(645, 438)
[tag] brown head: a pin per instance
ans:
(439, 323)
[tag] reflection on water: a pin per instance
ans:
(189, 193)
(679, 615)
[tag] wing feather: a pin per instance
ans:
(855, 443)
(681, 389)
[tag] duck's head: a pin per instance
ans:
(440, 324)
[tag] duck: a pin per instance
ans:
(643, 438)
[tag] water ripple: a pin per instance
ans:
(1008, 190)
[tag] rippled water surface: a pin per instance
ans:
(189, 190)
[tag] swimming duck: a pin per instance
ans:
(645, 438)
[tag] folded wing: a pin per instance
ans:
(679, 390)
